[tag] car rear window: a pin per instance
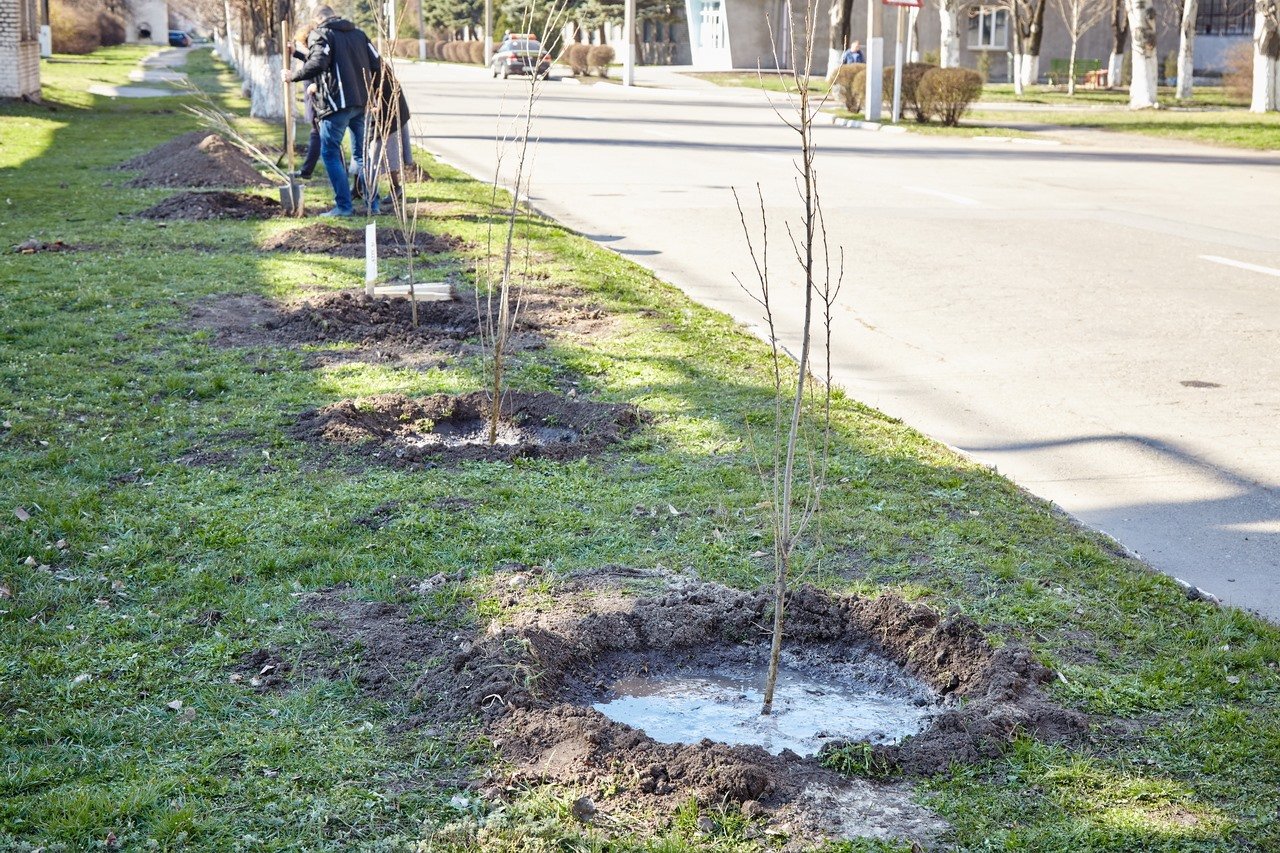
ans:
(522, 45)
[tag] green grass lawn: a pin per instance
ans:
(107, 583)
(1202, 96)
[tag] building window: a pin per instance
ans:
(1225, 17)
(988, 28)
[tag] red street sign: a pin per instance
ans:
(918, 4)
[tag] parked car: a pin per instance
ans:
(520, 54)
(177, 38)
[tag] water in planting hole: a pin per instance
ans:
(724, 704)
(456, 434)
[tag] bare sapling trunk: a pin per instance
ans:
(795, 499)
(504, 293)
(1187, 50)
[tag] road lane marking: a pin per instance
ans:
(1242, 265)
(951, 197)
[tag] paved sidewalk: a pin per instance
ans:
(153, 72)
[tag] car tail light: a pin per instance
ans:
(511, 56)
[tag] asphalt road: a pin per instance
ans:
(1099, 319)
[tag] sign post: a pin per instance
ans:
(898, 57)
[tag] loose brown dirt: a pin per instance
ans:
(382, 329)
(340, 242)
(395, 430)
(528, 680)
(37, 247)
(197, 159)
(213, 205)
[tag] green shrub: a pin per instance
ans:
(948, 92)
(575, 56)
(852, 82)
(912, 74)
(475, 52)
(599, 57)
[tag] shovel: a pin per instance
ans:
(291, 194)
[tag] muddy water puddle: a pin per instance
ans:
(724, 705)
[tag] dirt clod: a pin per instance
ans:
(36, 247)
(399, 431)
(196, 159)
(197, 206)
(340, 242)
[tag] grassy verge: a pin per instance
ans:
(772, 81)
(104, 387)
(1202, 96)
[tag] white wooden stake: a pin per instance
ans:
(370, 257)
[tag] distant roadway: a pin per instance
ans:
(1099, 319)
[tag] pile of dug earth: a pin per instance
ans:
(196, 159)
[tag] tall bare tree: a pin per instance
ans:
(1186, 49)
(1266, 56)
(1143, 87)
(1119, 42)
(949, 20)
(1078, 16)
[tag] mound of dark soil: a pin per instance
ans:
(213, 205)
(199, 159)
(337, 241)
(397, 430)
(382, 329)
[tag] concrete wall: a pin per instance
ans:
(19, 49)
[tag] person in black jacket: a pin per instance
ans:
(342, 61)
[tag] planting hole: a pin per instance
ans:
(723, 705)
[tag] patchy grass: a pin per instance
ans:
(767, 79)
(1201, 96)
(109, 581)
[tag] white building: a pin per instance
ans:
(19, 49)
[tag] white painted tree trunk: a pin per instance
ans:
(833, 62)
(1143, 93)
(949, 19)
(1187, 50)
(1071, 66)
(266, 89)
(1115, 69)
(1030, 66)
(1266, 71)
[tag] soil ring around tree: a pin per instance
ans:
(527, 682)
(382, 329)
(395, 430)
(218, 204)
(339, 242)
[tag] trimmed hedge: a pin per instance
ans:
(948, 92)
(912, 74)
(475, 52)
(575, 56)
(599, 57)
(852, 81)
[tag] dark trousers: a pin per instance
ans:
(313, 152)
